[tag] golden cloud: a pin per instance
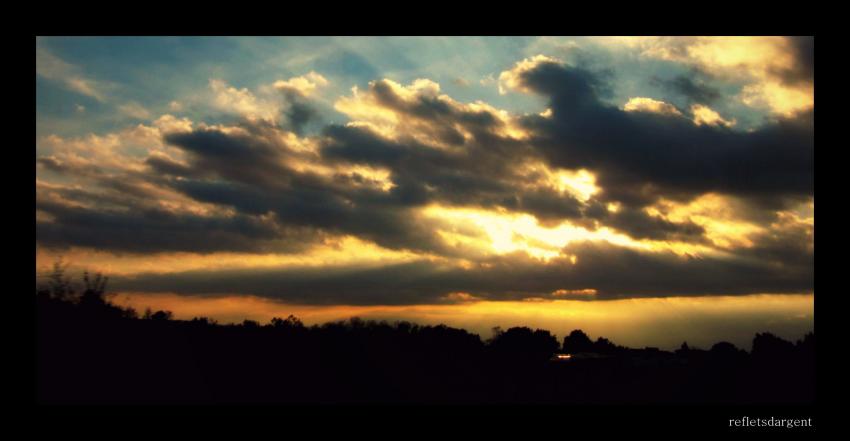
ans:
(304, 84)
(510, 79)
(372, 110)
(755, 60)
(643, 104)
(704, 115)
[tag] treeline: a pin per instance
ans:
(91, 351)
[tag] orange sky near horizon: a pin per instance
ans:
(659, 321)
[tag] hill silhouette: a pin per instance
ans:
(91, 351)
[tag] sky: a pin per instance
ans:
(649, 189)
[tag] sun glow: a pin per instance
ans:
(505, 232)
(580, 183)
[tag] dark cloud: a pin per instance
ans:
(248, 169)
(150, 230)
(51, 164)
(633, 152)
(299, 114)
(256, 157)
(298, 111)
(696, 91)
(547, 205)
(803, 67)
(568, 88)
(788, 248)
(472, 176)
(58, 165)
(167, 166)
(126, 216)
(319, 207)
(361, 146)
(640, 225)
(615, 272)
(450, 154)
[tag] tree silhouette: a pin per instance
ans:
(525, 343)
(60, 286)
(291, 322)
(769, 346)
(95, 290)
(604, 346)
(203, 321)
(577, 342)
(161, 316)
(89, 348)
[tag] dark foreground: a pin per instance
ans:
(92, 352)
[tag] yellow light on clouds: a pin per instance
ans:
(510, 232)
(580, 183)
(717, 215)
(345, 250)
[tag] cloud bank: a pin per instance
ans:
(608, 200)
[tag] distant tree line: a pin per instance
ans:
(92, 351)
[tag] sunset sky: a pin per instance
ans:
(646, 189)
